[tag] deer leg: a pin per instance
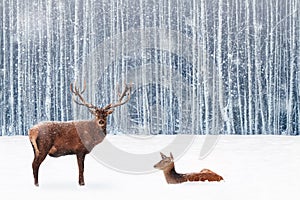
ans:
(36, 165)
(80, 161)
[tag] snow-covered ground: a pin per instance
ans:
(254, 167)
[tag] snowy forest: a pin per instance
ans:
(197, 66)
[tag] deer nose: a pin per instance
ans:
(101, 121)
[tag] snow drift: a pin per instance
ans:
(254, 167)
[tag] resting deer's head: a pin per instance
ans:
(165, 163)
(100, 113)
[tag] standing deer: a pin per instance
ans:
(172, 177)
(72, 137)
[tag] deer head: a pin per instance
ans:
(165, 163)
(99, 113)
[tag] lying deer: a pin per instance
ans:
(172, 177)
(72, 137)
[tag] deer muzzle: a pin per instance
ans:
(102, 122)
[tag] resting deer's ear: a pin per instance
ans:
(163, 156)
(171, 156)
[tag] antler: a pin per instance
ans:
(126, 92)
(78, 93)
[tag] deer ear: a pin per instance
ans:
(92, 111)
(171, 156)
(163, 156)
(109, 112)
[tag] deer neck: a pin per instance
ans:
(90, 133)
(172, 177)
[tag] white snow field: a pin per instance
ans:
(254, 167)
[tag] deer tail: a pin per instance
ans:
(33, 134)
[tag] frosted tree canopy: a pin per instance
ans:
(198, 67)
